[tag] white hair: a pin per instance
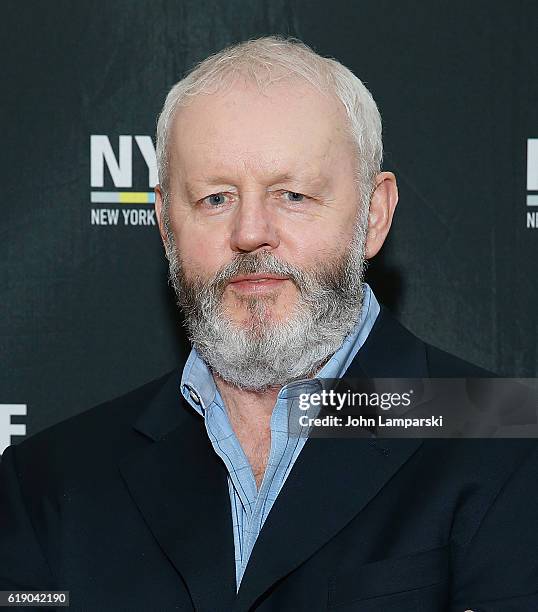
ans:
(266, 60)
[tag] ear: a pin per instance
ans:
(159, 212)
(382, 206)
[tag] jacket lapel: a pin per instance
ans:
(180, 487)
(331, 482)
(334, 478)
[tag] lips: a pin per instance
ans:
(257, 277)
(259, 283)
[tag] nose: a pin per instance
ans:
(253, 225)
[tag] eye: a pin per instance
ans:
(293, 196)
(215, 199)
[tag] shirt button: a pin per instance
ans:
(195, 397)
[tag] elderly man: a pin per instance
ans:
(270, 200)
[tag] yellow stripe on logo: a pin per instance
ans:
(133, 197)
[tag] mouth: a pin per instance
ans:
(257, 283)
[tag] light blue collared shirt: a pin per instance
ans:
(250, 506)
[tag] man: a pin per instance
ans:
(270, 200)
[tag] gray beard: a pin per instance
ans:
(264, 353)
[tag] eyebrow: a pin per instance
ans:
(300, 178)
(213, 180)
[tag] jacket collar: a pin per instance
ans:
(390, 351)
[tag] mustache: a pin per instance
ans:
(255, 263)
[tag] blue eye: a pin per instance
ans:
(215, 199)
(293, 196)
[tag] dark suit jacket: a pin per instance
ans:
(127, 506)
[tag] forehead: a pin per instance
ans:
(286, 128)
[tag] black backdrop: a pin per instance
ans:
(86, 311)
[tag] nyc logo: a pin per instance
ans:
(120, 169)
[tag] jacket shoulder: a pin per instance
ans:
(391, 350)
(91, 437)
(442, 364)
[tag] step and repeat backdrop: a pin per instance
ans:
(86, 310)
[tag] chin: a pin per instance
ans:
(247, 319)
(264, 308)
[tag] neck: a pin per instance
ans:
(250, 417)
(251, 408)
(248, 408)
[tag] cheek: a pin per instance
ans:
(326, 243)
(202, 251)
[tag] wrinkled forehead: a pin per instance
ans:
(286, 123)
